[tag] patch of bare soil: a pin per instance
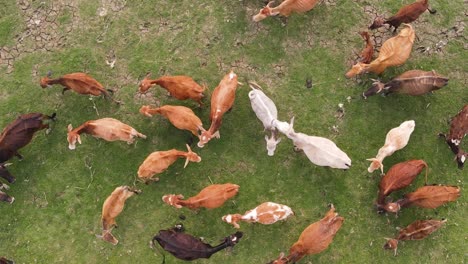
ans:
(41, 31)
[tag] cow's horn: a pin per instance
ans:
(186, 162)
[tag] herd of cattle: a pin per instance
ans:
(320, 151)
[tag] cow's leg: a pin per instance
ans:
(20, 157)
(64, 90)
(432, 11)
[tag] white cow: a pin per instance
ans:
(266, 111)
(397, 138)
(320, 151)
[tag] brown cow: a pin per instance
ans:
(314, 239)
(267, 213)
(20, 132)
(180, 87)
(180, 116)
(157, 162)
(79, 82)
(210, 197)
(111, 208)
(406, 14)
(222, 100)
(285, 8)
(458, 130)
(394, 52)
(109, 129)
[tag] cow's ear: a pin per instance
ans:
(70, 127)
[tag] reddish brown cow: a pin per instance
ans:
(111, 208)
(406, 14)
(314, 239)
(20, 132)
(180, 87)
(458, 130)
(210, 197)
(79, 82)
(222, 100)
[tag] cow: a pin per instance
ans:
(286, 8)
(109, 129)
(406, 14)
(187, 247)
(79, 82)
(320, 151)
(396, 139)
(314, 239)
(458, 130)
(210, 197)
(267, 213)
(180, 116)
(157, 162)
(20, 132)
(112, 207)
(222, 100)
(266, 112)
(181, 87)
(394, 52)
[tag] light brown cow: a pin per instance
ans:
(210, 197)
(314, 239)
(180, 116)
(222, 100)
(285, 8)
(109, 129)
(111, 208)
(267, 213)
(394, 52)
(180, 87)
(157, 162)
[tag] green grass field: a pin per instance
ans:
(59, 193)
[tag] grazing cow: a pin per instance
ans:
(285, 8)
(180, 87)
(320, 151)
(426, 197)
(267, 213)
(398, 177)
(394, 52)
(20, 132)
(368, 51)
(222, 100)
(180, 116)
(314, 239)
(4, 260)
(406, 14)
(210, 197)
(79, 82)
(109, 129)
(396, 139)
(458, 130)
(414, 82)
(111, 208)
(417, 230)
(157, 162)
(187, 247)
(265, 110)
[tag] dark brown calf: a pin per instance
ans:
(406, 14)
(458, 130)
(20, 132)
(187, 247)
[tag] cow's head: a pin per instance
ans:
(377, 87)
(144, 110)
(205, 137)
(265, 12)
(232, 219)
(72, 137)
(375, 164)
(145, 84)
(173, 200)
(280, 260)
(378, 22)
(392, 207)
(4, 173)
(358, 68)
(45, 80)
(130, 190)
(191, 156)
(271, 144)
(461, 158)
(391, 244)
(6, 198)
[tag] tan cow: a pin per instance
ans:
(157, 162)
(286, 8)
(109, 129)
(111, 208)
(180, 116)
(267, 213)
(210, 197)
